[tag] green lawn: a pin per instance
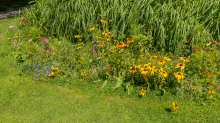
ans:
(24, 100)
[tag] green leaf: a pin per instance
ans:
(119, 82)
(97, 81)
(130, 89)
(103, 85)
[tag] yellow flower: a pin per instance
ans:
(179, 75)
(100, 15)
(98, 37)
(211, 91)
(113, 36)
(107, 38)
(114, 40)
(166, 58)
(53, 53)
(81, 58)
(129, 39)
(92, 28)
(160, 69)
(147, 64)
(105, 54)
(161, 61)
(161, 83)
(96, 25)
(53, 68)
(51, 74)
(83, 74)
(132, 69)
(8, 38)
(184, 59)
(105, 32)
(110, 20)
(175, 105)
(76, 36)
(16, 36)
(113, 52)
(181, 65)
(144, 71)
(163, 73)
(103, 20)
(143, 92)
(78, 43)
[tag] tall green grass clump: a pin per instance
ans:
(171, 22)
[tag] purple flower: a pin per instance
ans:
(149, 37)
(10, 26)
(27, 19)
(42, 37)
(100, 68)
(109, 73)
(46, 40)
(30, 40)
(187, 96)
(103, 65)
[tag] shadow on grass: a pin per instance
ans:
(12, 4)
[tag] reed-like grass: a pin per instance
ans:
(171, 22)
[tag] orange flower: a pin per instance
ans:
(95, 54)
(208, 74)
(120, 44)
(30, 53)
(215, 41)
(103, 20)
(197, 52)
(132, 69)
(92, 28)
(129, 39)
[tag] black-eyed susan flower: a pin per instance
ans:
(105, 32)
(103, 20)
(53, 68)
(147, 64)
(211, 91)
(77, 36)
(179, 75)
(129, 39)
(181, 65)
(52, 73)
(143, 92)
(175, 105)
(126, 44)
(92, 28)
(184, 59)
(164, 73)
(98, 37)
(160, 69)
(151, 67)
(132, 69)
(167, 59)
(144, 71)
(83, 73)
(107, 39)
(161, 61)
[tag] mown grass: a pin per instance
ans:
(62, 100)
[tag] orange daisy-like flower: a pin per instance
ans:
(164, 73)
(161, 61)
(197, 52)
(95, 54)
(103, 20)
(215, 41)
(129, 39)
(92, 28)
(30, 53)
(179, 75)
(175, 105)
(121, 44)
(77, 36)
(184, 59)
(132, 69)
(143, 92)
(181, 65)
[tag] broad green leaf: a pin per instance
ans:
(119, 82)
(130, 89)
(103, 85)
